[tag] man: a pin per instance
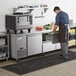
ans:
(62, 21)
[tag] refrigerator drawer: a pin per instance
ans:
(58, 46)
(48, 46)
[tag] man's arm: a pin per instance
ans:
(54, 28)
(56, 23)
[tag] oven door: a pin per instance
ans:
(24, 21)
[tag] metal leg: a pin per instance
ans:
(15, 31)
(7, 59)
(8, 31)
(21, 31)
(29, 30)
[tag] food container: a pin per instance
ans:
(39, 28)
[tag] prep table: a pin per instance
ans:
(35, 44)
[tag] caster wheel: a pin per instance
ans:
(17, 60)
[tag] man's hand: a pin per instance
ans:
(54, 27)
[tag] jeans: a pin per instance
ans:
(64, 46)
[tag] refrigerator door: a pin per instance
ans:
(18, 46)
(34, 44)
(21, 42)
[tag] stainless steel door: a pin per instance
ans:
(34, 44)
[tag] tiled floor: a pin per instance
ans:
(63, 69)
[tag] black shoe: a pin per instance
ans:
(66, 57)
(63, 57)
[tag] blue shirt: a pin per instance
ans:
(62, 18)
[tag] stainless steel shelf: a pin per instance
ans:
(1, 46)
(4, 52)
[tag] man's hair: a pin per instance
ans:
(56, 8)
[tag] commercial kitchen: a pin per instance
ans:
(28, 44)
